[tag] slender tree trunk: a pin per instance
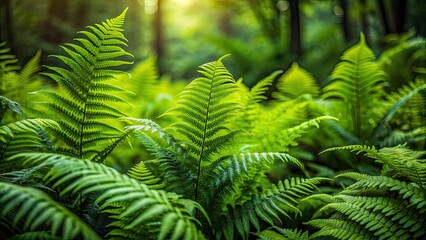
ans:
(384, 15)
(7, 34)
(399, 13)
(364, 23)
(345, 21)
(81, 14)
(295, 40)
(393, 13)
(159, 36)
(57, 11)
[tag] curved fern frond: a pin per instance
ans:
(84, 106)
(17, 84)
(399, 161)
(228, 175)
(408, 104)
(340, 229)
(28, 126)
(293, 234)
(358, 81)
(257, 92)
(148, 125)
(249, 101)
(24, 135)
(204, 109)
(141, 173)
(391, 206)
(8, 62)
(137, 211)
(269, 206)
(30, 210)
(296, 82)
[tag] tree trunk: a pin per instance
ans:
(81, 14)
(399, 8)
(7, 24)
(393, 15)
(57, 11)
(364, 23)
(345, 21)
(295, 40)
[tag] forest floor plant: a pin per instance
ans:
(208, 172)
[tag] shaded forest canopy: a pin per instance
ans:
(137, 123)
(262, 36)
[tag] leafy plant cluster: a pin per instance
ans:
(207, 168)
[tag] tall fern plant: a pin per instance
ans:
(389, 206)
(358, 81)
(83, 106)
(202, 162)
(358, 99)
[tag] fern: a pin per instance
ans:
(391, 206)
(30, 209)
(398, 161)
(8, 62)
(204, 112)
(132, 206)
(284, 234)
(358, 81)
(83, 108)
(201, 159)
(406, 104)
(23, 135)
(141, 173)
(296, 82)
(250, 99)
(280, 199)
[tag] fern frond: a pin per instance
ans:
(399, 161)
(339, 229)
(249, 101)
(152, 127)
(24, 135)
(8, 62)
(279, 200)
(29, 125)
(402, 97)
(357, 80)
(205, 109)
(40, 235)
(296, 82)
(86, 105)
(270, 235)
(141, 173)
(133, 206)
(30, 209)
(293, 234)
(257, 92)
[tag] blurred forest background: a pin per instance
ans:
(261, 35)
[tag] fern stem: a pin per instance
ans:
(204, 136)
(81, 130)
(357, 110)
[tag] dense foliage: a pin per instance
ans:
(88, 159)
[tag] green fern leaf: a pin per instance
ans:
(279, 200)
(296, 82)
(132, 205)
(358, 81)
(36, 210)
(85, 107)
